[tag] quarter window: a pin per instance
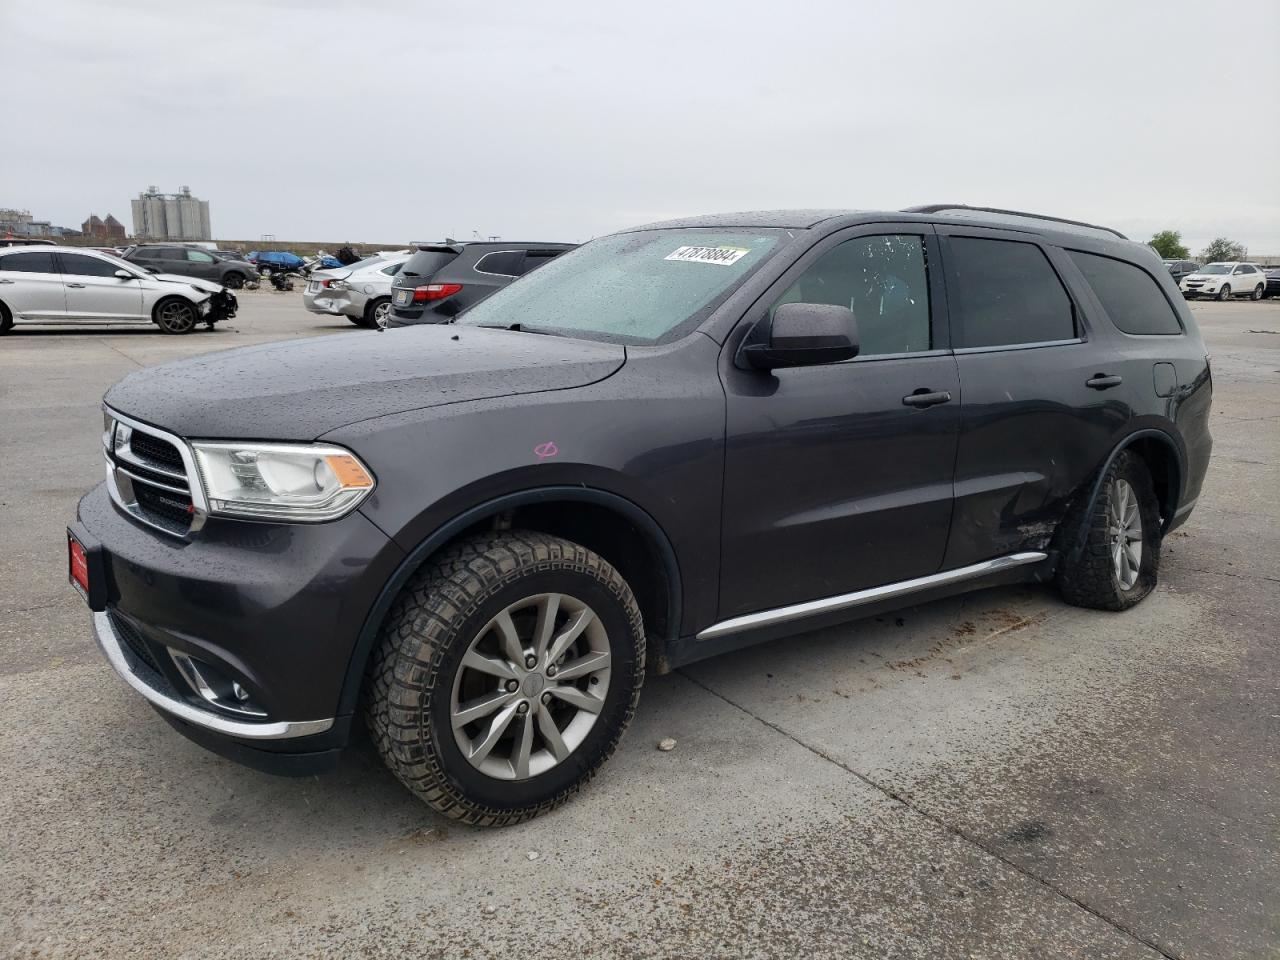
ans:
(506, 263)
(82, 266)
(1006, 293)
(28, 263)
(1131, 297)
(884, 281)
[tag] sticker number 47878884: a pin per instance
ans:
(724, 256)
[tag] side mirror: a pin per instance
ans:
(125, 275)
(805, 334)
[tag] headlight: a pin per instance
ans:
(281, 481)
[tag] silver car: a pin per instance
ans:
(360, 292)
(53, 284)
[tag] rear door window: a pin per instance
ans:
(1005, 293)
(533, 259)
(28, 263)
(1129, 294)
(199, 256)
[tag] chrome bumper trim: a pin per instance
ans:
(845, 601)
(111, 646)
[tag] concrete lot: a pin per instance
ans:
(997, 775)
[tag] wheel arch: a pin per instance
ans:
(1164, 461)
(166, 297)
(643, 554)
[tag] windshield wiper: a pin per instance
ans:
(516, 327)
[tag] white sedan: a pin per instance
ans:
(360, 292)
(52, 284)
(1224, 280)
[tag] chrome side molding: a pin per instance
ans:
(845, 601)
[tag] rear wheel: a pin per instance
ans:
(176, 315)
(377, 312)
(506, 674)
(1257, 292)
(1119, 560)
(6, 319)
(1224, 291)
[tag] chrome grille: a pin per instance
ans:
(147, 475)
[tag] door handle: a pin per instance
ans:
(926, 398)
(5, 280)
(78, 286)
(1101, 381)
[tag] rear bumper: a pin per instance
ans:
(342, 303)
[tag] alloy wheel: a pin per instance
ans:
(1124, 526)
(381, 313)
(531, 686)
(177, 317)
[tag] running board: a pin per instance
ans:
(845, 601)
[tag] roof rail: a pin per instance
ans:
(940, 207)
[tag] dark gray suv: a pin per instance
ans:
(441, 280)
(188, 261)
(670, 443)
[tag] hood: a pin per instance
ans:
(301, 389)
(204, 286)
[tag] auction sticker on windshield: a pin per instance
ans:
(725, 256)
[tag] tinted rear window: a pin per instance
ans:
(28, 263)
(1006, 293)
(1129, 294)
(425, 263)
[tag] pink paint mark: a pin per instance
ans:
(545, 450)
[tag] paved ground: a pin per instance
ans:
(992, 776)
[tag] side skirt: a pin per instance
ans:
(753, 628)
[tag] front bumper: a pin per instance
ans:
(275, 607)
(222, 306)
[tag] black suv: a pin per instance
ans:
(673, 442)
(442, 279)
(217, 265)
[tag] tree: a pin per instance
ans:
(1168, 243)
(1223, 249)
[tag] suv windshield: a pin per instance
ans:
(1216, 268)
(631, 287)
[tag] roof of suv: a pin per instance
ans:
(803, 219)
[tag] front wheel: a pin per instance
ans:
(1118, 562)
(1257, 292)
(6, 319)
(506, 673)
(176, 316)
(1224, 292)
(233, 281)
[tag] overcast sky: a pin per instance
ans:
(559, 121)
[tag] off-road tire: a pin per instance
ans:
(6, 319)
(1224, 292)
(432, 622)
(1090, 580)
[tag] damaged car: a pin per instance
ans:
(74, 285)
(360, 292)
